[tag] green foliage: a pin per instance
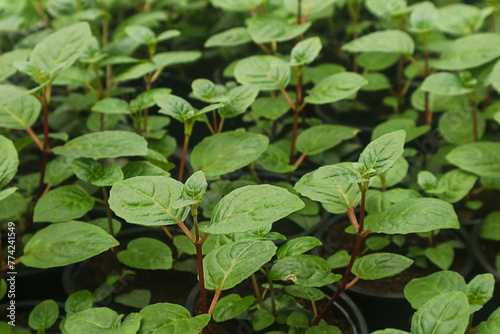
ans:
(146, 253)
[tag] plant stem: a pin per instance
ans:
(183, 158)
(199, 257)
(251, 166)
(214, 301)
(431, 239)
(42, 13)
(357, 246)
(221, 124)
(6, 266)
(257, 292)
(271, 289)
(37, 141)
(167, 232)
(216, 128)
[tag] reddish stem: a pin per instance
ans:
(183, 158)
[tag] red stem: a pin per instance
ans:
(357, 246)
(199, 257)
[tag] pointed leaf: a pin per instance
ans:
(446, 313)
(442, 255)
(102, 319)
(137, 298)
(382, 153)
(250, 208)
(111, 105)
(393, 41)
(320, 138)
(8, 161)
(231, 306)
(335, 88)
(146, 253)
(481, 158)
(228, 151)
(265, 72)
(17, 113)
(171, 58)
(231, 37)
(298, 246)
(268, 28)
(44, 315)
(147, 200)
(63, 204)
(416, 215)
(305, 52)
(62, 244)
(78, 301)
(230, 264)
(480, 290)
(380, 265)
(105, 144)
(445, 84)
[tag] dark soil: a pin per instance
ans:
(336, 239)
(490, 199)
(334, 316)
(490, 250)
(165, 285)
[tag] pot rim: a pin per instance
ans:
(465, 271)
(474, 242)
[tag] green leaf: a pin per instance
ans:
(382, 153)
(481, 158)
(8, 161)
(461, 19)
(250, 208)
(392, 41)
(7, 61)
(297, 320)
(146, 99)
(105, 144)
(492, 325)
(206, 91)
(313, 7)
(380, 265)
(446, 313)
(339, 260)
(101, 320)
(312, 294)
(238, 101)
(267, 28)
(377, 243)
(63, 204)
(421, 290)
(61, 49)
(387, 9)
(445, 84)
(111, 105)
(261, 319)
(376, 61)
(135, 71)
(147, 200)
(427, 180)
(423, 18)
(304, 270)
(376, 82)
(416, 215)
(78, 301)
(441, 255)
(141, 34)
(332, 185)
(390, 331)
(231, 306)
(236, 5)
(146, 253)
(275, 159)
(44, 315)
(457, 185)
(469, 51)
(480, 290)
(228, 151)
(231, 37)
(457, 126)
(335, 88)
(195, 187)
(142, 168)
(495, 82)
(176, 107)
(320, 138)
(137, 298)
(3, 287)
(18, 109)
(168, 34)
(412, 131)
(62, 244)
(305, 52)
(298, 246)
(265, 72)
(91, 171)
(228, 265)
(393, 176)
(491, 227)
(172, 58)
(58, 170)
(104, 224)
(270, 108)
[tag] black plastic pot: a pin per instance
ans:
(474, 242)
(387, 309)
(344, 304)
